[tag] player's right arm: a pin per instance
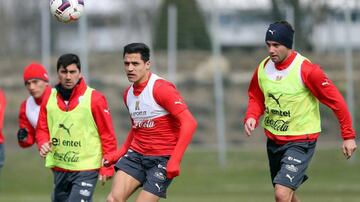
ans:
(256, 105)
(249, 126)
(26, 133)
(112, 158)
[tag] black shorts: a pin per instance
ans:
(289, 162)
(150, 171)
(2, 155)
(74, 186)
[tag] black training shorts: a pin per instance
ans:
(289, 162)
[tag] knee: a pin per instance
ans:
(113, 198)
(282, 195)
(110, 198)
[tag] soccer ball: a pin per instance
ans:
(66, 10)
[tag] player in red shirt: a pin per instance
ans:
(2, 114)
(162, 128)
(74, 131)
(36, 82)
(291, 112)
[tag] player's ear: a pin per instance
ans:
(148, 65)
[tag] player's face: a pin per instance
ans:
(277, 52)
(136, 69)
(69, 76)
(36, 87)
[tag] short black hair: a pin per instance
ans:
(68, 59)
(141, 48)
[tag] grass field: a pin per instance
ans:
(245, 178)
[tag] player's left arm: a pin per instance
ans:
(187, 129)
(327, 93)
(2, 109)
(170, 99)
(103, 120)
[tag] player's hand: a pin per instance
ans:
(113, 157)
(45, 149)
(103, 179)
(172, 169)
(249, 126)
(22, 135)
(348, 148)
(105, 162)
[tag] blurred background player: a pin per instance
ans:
(286, 88)
(162, 128)
(37, 84)
(2, 114)
(74, 131)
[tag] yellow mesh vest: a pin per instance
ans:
(290, 108)
(75, 139)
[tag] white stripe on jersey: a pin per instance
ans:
(32, 111)
(143, 108)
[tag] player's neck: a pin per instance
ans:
(286, 62)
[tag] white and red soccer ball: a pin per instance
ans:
(67, 10)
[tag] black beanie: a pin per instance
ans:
(280, 33)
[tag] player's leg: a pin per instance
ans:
(147, 196)
(62, 188)
(2, 156)
(283, 193)
(122, 187)
(83, 185)
(129, 176)
(156, 183)
(294, 164)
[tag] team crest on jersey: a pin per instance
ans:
(137, 105)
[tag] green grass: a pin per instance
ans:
(245, 178)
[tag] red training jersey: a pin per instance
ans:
(161, 135)
(28, 120)
(2, 114)
(101, 115)
(319, 85)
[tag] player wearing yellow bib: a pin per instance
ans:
(74, 131)
(286, 89)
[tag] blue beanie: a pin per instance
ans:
(280, 33)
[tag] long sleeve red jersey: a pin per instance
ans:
(2, 114)
(170, 134)
(319, 85)
(100, 112)
(24, 119)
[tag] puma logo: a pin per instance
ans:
(61, 125)
(178, 103)
(290, 178)
(158, 186)
(325, 83)
(274, 98)
(272, 31)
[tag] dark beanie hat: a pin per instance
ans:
(281, 33)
